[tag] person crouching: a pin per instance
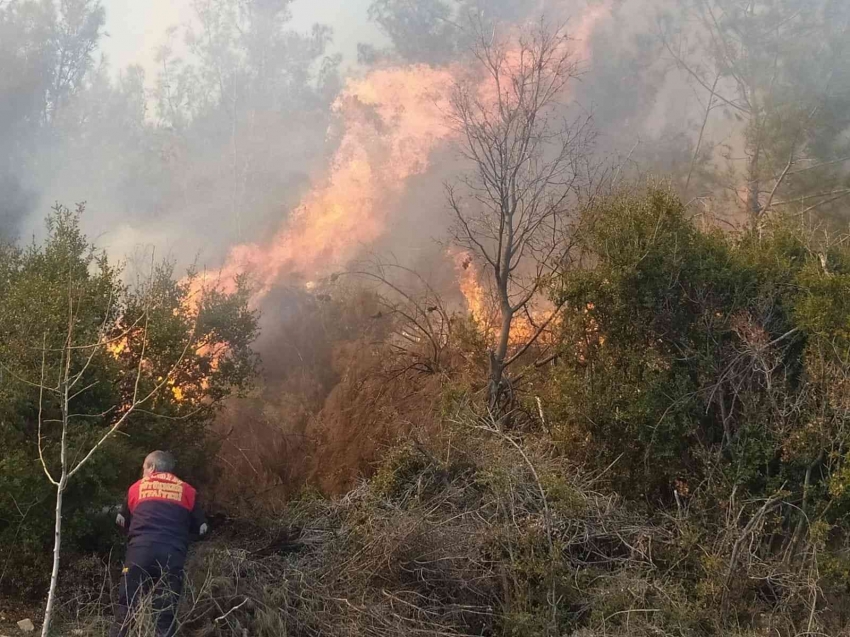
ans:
(160, 514)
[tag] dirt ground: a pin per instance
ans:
(13, 612)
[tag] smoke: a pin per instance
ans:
(239, 136)
(199, 148)
(393, 120)
(236, 114)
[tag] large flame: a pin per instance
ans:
(393, 119)
(481, 307)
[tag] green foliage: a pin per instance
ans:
(691, 356)
(122, 340)
(779, 69)
(435, 31)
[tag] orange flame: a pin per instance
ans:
(118, 347)
(394, 118)
(485, 312)
(470, 286)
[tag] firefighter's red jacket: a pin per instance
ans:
(161, 513)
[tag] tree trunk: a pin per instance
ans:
(57, 543)
(494, 386)
(753, 187)
(497, 362)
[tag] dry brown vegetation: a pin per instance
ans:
(341, 386)
(482, 536)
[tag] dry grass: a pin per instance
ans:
(492, 534)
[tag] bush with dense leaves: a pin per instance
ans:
(702, 365)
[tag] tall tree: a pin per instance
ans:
(779, 68)
(77, 32)
(436, 31)
(511, 210)
(252, 82)
(46, 56)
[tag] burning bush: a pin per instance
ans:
(146, 336)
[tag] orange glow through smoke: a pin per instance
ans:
(393, 118)
(485, 312)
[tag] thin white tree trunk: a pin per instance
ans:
(57, 545)
(68, 381)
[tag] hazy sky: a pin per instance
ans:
(137, 27)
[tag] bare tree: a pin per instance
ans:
(73, 361)
(528, 161)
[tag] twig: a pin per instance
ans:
(238, 606)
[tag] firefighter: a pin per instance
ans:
(159, 516)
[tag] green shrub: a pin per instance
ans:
(691, 357)
(37, 287)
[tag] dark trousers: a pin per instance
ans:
(149, 572)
